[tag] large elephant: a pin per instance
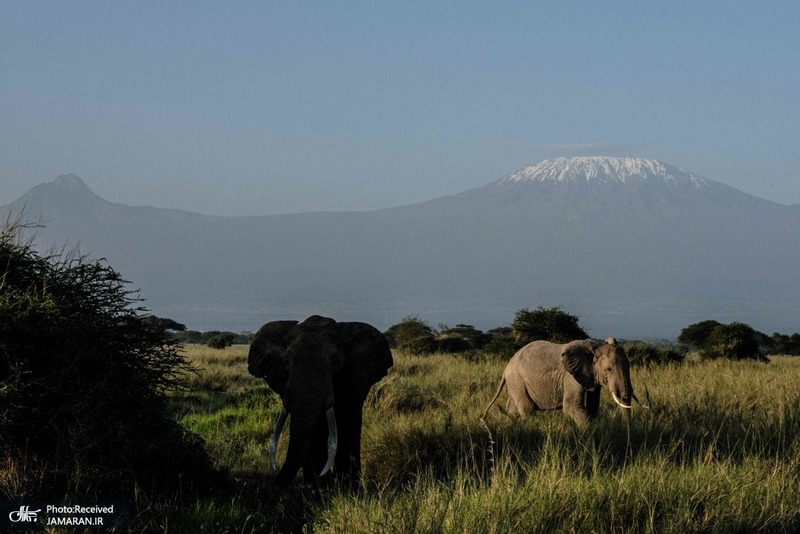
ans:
(549, 376)
(323, 370)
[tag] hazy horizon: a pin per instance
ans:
(600, 237)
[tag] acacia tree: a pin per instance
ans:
(734, 341)
(411, 334)
(461, 338)
(220, 341)
(165, 323)
(695, 335)
(83, 376)
(551, 324)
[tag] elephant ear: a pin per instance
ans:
(266, 358)
(578, 359)
(367, 358)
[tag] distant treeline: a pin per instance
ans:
(710, 339)
(214, 338)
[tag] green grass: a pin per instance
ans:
(718, 452)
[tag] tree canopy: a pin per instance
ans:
(551, 324)
(416, 336)
(734, 341)
(411, 334)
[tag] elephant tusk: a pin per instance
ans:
(273, 443)
(614, 396)
(334, 441)
(646, 407)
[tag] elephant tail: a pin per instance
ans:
(499, 390)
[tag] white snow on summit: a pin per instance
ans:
(606, 169)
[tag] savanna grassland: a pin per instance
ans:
(719, 451)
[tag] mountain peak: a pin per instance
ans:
(70, 182)
(66, 188)
(603, 169)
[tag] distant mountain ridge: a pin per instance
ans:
(69, 190)
(634, 247)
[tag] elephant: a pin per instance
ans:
(323, 370)
(548, 376)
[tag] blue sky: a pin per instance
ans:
(246, 108)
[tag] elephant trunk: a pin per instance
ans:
(645, 406)
(622, 392)
(300, 432)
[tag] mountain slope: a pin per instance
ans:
(634, 247)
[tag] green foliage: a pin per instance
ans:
(415, 336)
(460, 339)
(695, 335)
(164, 323)
(645, 354)
(734, 341)
(82, 383)
(783, 344)
(551, 324)
(502, 343)
(203, 338)
(411, 334)
(220, 341)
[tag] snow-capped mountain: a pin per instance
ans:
(566, 183)
(635, 247)
(608, 170)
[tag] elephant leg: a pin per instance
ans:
(574, 403)
(521, 400)
(511, 408)
(349, 420)
(593, 403)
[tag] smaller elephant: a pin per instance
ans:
(549, 376)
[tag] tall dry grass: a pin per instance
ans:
(718, 452)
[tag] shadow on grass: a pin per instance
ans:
(709, 432)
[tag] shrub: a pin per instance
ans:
(735, 341)
(83, 377)
(460, 339)
(695, 335)
(784, 344)
(502, 343)
(551, 324)
(412, 335)
(645, 354)
(452, 343)
(220, 341)
(203, 338)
